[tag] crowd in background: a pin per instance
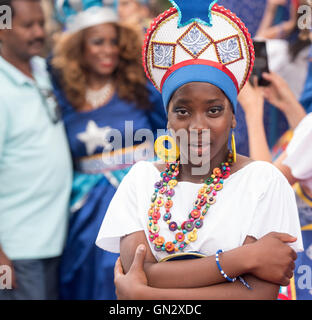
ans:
(53, 193)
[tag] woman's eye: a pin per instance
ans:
(96, 42)
(181, 111)
(215, 110)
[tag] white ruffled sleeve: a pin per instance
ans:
(299, 150)
(122, 214)
(276, 211)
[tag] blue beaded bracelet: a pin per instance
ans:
(221, 270)
(226, 276)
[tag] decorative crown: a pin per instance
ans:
(210, 43)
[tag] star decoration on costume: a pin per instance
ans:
(94, 137)
(194, 10)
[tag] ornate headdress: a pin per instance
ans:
(81, 14)
(198, 41)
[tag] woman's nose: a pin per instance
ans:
(108, 49)
(198, 123)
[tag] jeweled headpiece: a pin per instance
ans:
(198, 41)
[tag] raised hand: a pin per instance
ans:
(280, 95)
(252, 100)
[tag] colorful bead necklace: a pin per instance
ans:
(162, 197)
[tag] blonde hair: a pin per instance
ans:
(129, 75)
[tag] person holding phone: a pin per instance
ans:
(287, 54)
(296, 161)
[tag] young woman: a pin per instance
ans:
(100, 84)
(233, 206)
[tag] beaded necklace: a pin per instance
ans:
(162, 197)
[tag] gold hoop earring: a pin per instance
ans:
(166, 154)
(233, 144)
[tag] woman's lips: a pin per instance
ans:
(199, 149)
(106, 64)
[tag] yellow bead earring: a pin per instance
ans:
(169, 154)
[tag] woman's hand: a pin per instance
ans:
(280, 95)
(278, 92)
(252, 100)
(274, 259)
(129, 286)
